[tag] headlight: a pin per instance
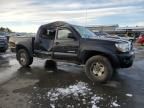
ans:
(124, 46)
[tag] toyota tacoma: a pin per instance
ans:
(61, 41)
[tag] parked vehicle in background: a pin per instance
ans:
(141, 39)
(60, 41)
(3, 42)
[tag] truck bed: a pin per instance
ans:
(13, 40)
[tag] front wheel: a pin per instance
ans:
(24, 58)
(98, 69)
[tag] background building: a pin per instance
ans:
(115, 29)
(105, 28)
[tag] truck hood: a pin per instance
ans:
(110, 39)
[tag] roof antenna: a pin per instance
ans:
(85, 20)
(86, 12)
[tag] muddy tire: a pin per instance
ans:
(98, 69)
(24, 58)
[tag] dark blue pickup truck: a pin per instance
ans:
(60, 41)
(3, 42)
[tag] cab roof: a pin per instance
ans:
(55, 25)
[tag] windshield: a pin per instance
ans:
(84, 32)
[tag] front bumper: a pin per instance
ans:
(126, 59)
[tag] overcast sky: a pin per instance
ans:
(28, 15)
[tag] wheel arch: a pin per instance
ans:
(89, 54)
(19, 46)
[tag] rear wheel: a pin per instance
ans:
(24, 58)
(98, 69)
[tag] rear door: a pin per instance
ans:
(44, 42)
(66, 47)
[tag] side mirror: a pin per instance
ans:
(70, 35)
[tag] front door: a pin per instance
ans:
(66, 47)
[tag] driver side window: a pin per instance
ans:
(63, 34)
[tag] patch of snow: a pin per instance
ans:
(34, 87)
(52, 105)
(68, 106)
(79, 88)
(84, 101)
(115, 104)
(129, 95)
(94, 100)
(94, 106)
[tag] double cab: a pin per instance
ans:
(61, 41)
